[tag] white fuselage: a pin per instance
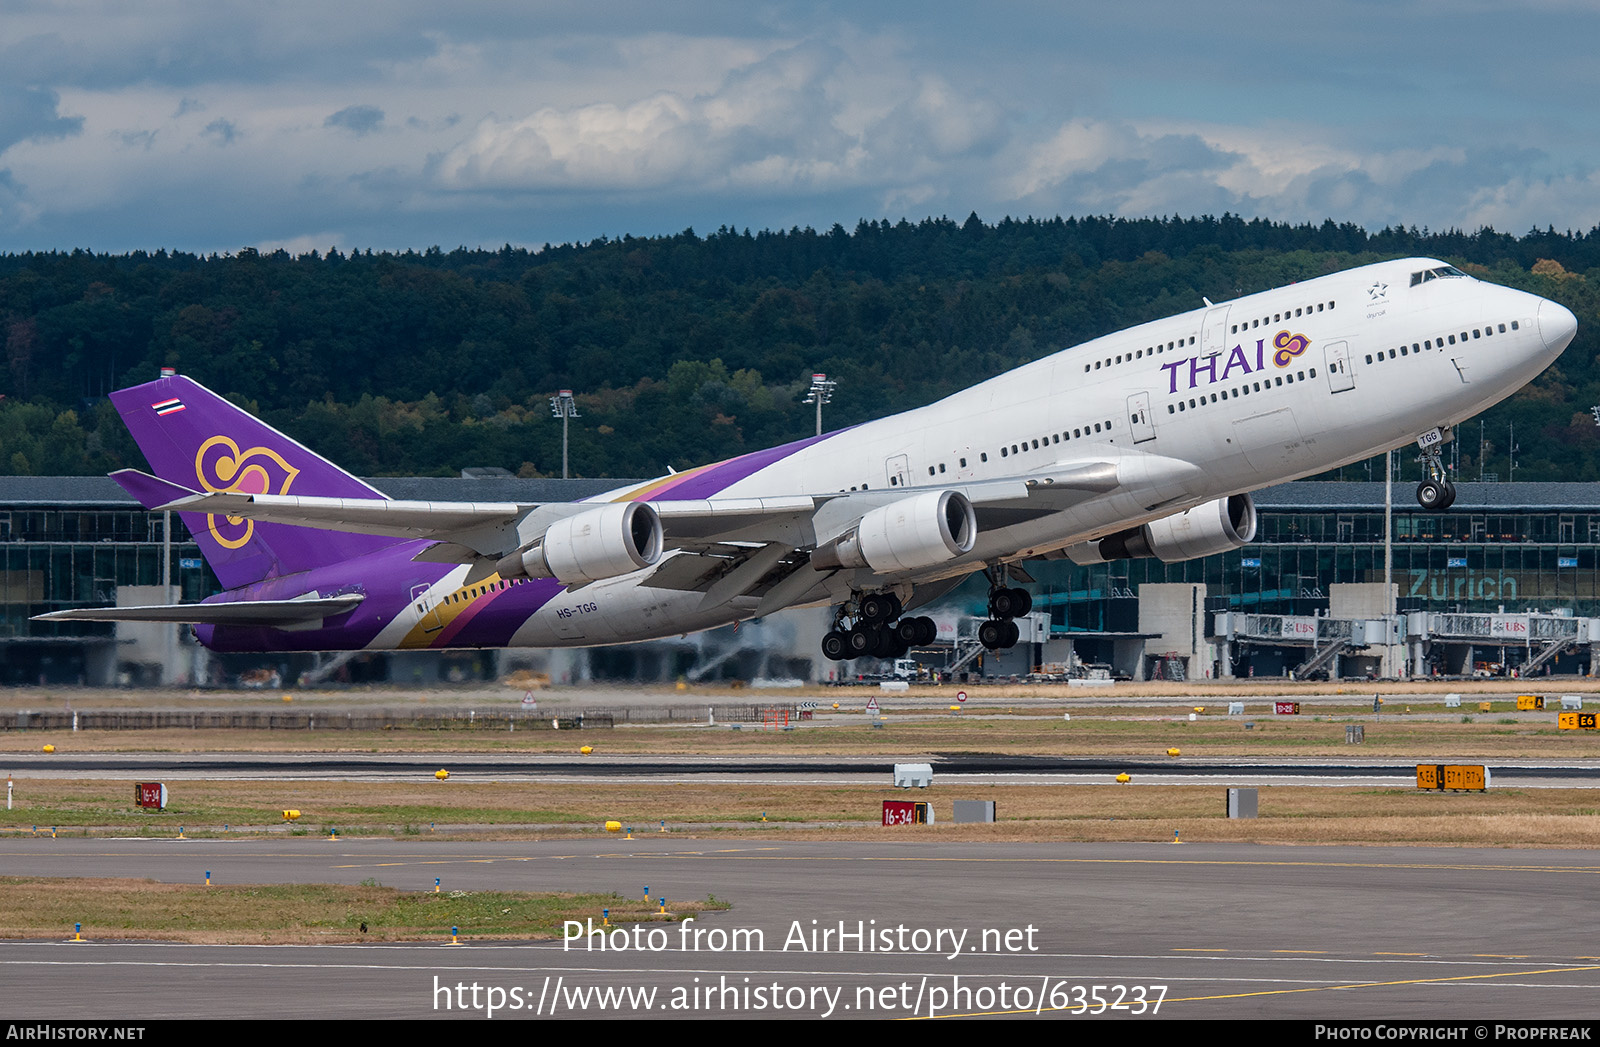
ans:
(1216, 401)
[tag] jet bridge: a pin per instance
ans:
(1312, 646)
(1457, 644)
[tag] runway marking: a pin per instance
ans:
(1200, 950)
(739, 854)
(1381, 985)
(1303, 952)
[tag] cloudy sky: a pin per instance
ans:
(213, 125)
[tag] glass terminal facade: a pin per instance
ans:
(73, 541)
(1517, 546)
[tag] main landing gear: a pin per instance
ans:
(1435, 493)
(878, 630)
(1000, 631)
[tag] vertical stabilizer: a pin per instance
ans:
(194, 438)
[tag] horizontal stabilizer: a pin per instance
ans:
(240, 612)
(151, 491)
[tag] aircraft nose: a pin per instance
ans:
(1557, 325)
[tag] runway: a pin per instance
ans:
(975, 769)
(1188, 931)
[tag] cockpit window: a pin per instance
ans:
(1443, 272)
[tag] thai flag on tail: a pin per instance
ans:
(172, 406)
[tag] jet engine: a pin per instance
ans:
(617, 538)
(1214, 527)
(919, 531)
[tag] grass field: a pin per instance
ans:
(40, 907)
(432, 810)
(1428, 732)
(1414, 728)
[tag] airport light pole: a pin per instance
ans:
(563, 406)
(821, 393)
(1389, 608)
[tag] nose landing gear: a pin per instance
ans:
(1436, 493)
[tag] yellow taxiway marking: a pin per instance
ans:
(1381, 985)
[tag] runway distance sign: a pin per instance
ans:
(1455, 777)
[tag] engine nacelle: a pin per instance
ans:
(915, 532)
(1215, 527)
(617, 538)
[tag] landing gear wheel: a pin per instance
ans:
(992, 634)
(859, 640)
(885, 644)
(1010, 603)
(998, 634)
(917, 632)
(1434, 494)
(836, 646)
(880, 607)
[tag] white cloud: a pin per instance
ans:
(1523, 203)
(241, 122)
(304, 244)
(806, 118)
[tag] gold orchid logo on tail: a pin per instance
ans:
(221, 466)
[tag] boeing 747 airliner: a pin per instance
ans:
(1146, 442)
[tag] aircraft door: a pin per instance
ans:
(1340, 376)
(429, 609)
(1214, 332)
(1140, 422)
(899, 470)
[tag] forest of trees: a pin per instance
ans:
(684, 349)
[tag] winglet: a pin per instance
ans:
(151, 491)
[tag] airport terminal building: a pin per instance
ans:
(1510, 568)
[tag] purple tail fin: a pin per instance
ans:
(194, 438)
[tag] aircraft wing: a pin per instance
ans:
(480, 525)
(241, 612)
(486, 528)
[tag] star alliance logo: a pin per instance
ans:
(1378, 292)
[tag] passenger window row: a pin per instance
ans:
(1138, 354)
(1278, 318)
(1439, 343)
(1065, 436)
(1244, 389)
